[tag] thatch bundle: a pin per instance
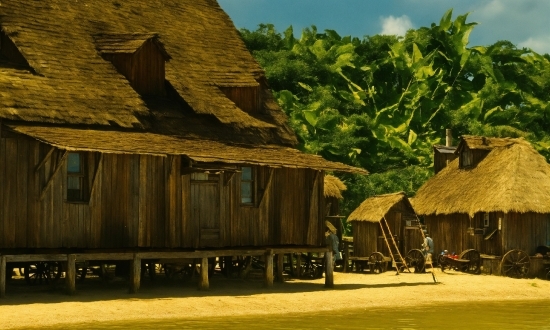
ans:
(513, 177)
(333, 187)
(374, 208)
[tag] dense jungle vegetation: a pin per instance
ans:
(382, 102)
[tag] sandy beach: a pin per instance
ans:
(97, 301)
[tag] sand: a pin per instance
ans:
(99, 301)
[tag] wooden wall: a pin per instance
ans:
(146, 201)
(523, 231)
(145, 69)
(441, 160)
(246, 98)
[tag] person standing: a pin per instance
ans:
(428, 247)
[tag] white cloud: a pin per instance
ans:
(540, 44)
(395, 25)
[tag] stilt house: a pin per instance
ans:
(494, 197)
(132, 126)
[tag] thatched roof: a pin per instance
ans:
(66, 81)
(162, 145)
(57, 87)
(374, 209)
(333, 187)
(485, 143)
(127, 43)
(513, 177)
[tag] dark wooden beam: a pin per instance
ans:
(99, 167)
(268, 185)
(269, 268)
(70, 279)
(50, 180)
(203, 282)
(280, 266)
(329, 270)
(135, 274)
(44, 160)
(3, 271)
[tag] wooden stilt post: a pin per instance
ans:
(280, 266)
(135, 274)
(3, 276)
(203, 283)
(329, 267)
(269, 268)
(346, 256)
(299, 265)
(70, 280)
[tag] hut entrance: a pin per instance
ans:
(205, 204)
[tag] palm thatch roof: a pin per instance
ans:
(513, 177)
(163, 145)
(66, 81)
(375, 208)
(333, 187)
(56, 85)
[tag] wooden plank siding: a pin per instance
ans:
(143, 201)
(518, 231)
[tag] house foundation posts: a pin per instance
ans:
(269, 268)
(2, 276)
(203, 283)
(329, 270)
(70, 280)
(135, 274)
(280, 266)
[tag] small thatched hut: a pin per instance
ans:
(368, 220)
(494, 198)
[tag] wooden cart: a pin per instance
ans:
(469, 261)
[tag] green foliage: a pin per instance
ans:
(382, 102)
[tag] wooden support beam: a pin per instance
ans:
(36, 257)
(70, 279)
(135, 274)
(203, 282)
(346, 256)
(227, 176)
(280, 266)
(298, 271)
(267, 186)
(50, 180)
(3, 271)
(329, 270)
(269, 268)
(99, 167)
(43, 161)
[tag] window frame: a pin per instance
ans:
(252, 182)
(80, 175)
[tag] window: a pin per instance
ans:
(247, 185)
(466, 157)
(486, 220)
(75, 177)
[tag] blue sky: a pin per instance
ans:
(523, 22)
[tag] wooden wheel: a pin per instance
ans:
(474, 266)
(515, 263)
(415, 258)
(377, 264)
(42, 272)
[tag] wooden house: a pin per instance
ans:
(142, 130)
(495, 198)
(385, 224)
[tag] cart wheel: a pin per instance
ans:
(474, 266)
(515, 263)
(42, 272)
(377, 263)
(415, 258)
